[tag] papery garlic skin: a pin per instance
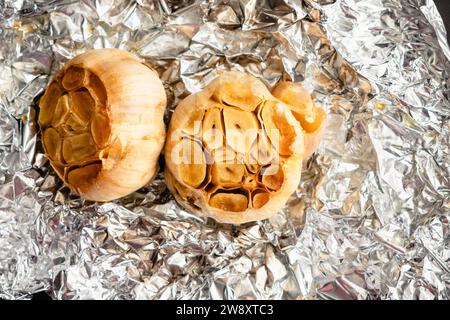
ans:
(102, 125)
(253, 133)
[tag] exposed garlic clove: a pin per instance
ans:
(265, 150)
(196, 120)
(260, 198)
(230, 94)
(100, 129)
(74, 78)
(227, 175)
(62, 111)
(212, 129)
(241, 129)
(280, 128)
(78, 148)
(84, 177)
(311, 118)
(48, 103)
(82, 105)
(229, 90)
(272, 177)
(233, 202)
(191, 198)
(102, 123)
(97, 89)
(229, 186)
(52, 144)
(296, 96)
(224, 154)
(192, 168)
(73, 124)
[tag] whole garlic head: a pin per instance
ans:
(102, 125)
(234, 152)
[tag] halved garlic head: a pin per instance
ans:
(311, 118)
(234, 152)
(102, 125)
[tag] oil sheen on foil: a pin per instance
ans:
(370, 219)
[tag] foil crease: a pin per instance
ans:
(370, 218)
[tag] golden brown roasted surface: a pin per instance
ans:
(234, 151)
(311, 117)
(101, 119)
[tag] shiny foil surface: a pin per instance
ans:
(370, 218)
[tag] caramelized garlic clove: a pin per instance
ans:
(82, 105)
(241, 129)
(78, 147)
(311, 118)
(194, 126)
(260, 198)
(48, 103)
(212, 129)
(233, 202)
(101, 129)
(61, 111)
(85, 176)
(231, 94)
(312, 122)
(280, 128)
(193, 174)
(224, 154)
(265, 151)
(271, 131)
(52, 144)
(192, 166)
(97, 89)
(296, 96)
(74, 78)
(227, 174)
(272, 177)
(239, 90)
(74, 124)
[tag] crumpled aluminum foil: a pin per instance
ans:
(370, 219)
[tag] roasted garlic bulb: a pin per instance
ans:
(234, 152)
(102, 125)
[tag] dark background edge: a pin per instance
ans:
(444, 9)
